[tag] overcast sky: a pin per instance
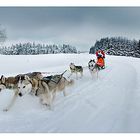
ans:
(80, 27)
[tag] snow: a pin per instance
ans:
(108, 104)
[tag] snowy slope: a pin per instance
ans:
(110, 103)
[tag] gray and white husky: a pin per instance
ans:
(76, 69)
(46, 88)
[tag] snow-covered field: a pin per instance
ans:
(110, 103)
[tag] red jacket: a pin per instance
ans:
(100, 62)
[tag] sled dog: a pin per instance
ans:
(46, 87)
(27, 85)
(12, 83)
(76, 70)
(93, 67)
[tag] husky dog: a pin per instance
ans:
(27, 85)
(76, 69)
(35, 75)
(8, 83)
(57, 83)
(12, 83)
(93, 67)
(46, 87)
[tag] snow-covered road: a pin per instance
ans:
(110, 103)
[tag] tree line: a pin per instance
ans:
(33, 49)
(117, 46)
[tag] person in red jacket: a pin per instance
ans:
(100, 59)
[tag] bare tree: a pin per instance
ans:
(3, 35)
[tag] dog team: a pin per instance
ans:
(46, 87)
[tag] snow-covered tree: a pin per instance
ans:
(3, 35)
(117, 46)
(32, 49)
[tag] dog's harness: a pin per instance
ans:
(48, 79)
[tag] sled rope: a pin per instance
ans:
(52, 72)
(55, 72)
(85, 67)
(61, 76)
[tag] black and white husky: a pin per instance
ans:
(76, 69)
(93, 67)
